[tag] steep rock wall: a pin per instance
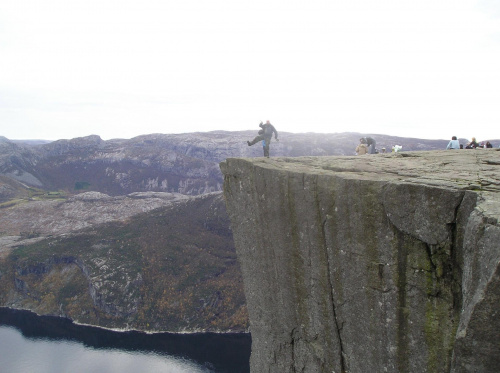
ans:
(386, 263)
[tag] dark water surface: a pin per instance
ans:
(30, 343)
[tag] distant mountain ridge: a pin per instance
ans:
(176, 163)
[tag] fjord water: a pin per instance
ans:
(29, 343)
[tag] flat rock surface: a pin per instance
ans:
(477, 170)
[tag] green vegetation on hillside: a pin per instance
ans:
(79, 185)
(171, 269)
(18, 194)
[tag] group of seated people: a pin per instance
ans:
(455, 144)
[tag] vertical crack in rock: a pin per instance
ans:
(402, 311)
(335, 320)
(455, 267)
(324, 246)
(429, 250)
(292, 347)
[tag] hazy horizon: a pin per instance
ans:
(251, 131)
(419, 69)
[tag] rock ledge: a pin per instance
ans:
(386, 263)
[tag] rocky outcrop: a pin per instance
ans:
(65, 215)
(385, 263)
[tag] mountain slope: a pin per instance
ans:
(171, 269)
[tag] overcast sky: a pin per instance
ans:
(119, 69)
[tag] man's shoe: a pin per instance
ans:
(248, 142)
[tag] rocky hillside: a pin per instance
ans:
(180, 163)
(171, 269)
(386, 263)
(56, 214)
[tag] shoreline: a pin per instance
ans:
(122, 330)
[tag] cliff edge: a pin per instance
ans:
(384, 263)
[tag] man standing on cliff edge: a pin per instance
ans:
(265, 135)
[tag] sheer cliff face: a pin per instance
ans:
(371, 263)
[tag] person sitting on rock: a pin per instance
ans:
(362, 148)
(265, 135)
(472, 145)
(453, 144)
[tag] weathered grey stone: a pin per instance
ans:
(386, 263)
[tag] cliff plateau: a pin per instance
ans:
(384, 263)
